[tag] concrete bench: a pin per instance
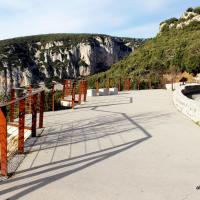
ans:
(65, 103)
(91, 92)
(103, 91)
(113, 91)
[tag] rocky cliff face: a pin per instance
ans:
(33, 60)
(191, 16)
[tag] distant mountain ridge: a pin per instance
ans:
(54, 57)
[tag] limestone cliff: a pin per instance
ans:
(56, 57)
(190, 17)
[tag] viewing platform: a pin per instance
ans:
(134, 145)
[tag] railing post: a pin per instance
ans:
(129, 84)
(30, 98)
(53, 97)
(80, 91)
(34, 115)
(85, 90)
(12, 106)
(73, 93)
(124, 84)
(41, 109)
(69, 85)
(66, 87)
(109, 83)
(21, 126)
(138, 84)
(119, 85)
(63, 91)
(149, 83)
(3, 140)
(97, 86)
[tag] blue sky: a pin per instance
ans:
(130, 18)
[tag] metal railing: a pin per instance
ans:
(70, 88)
(21, 114)
(126, 84)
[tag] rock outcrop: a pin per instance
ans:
(189, 17)
(43, 59)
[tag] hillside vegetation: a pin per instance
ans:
(175, 49)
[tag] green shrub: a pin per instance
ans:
(190, 9)
(170, 21)
(197, 10)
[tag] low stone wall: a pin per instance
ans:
(187, 106)
(175, 85)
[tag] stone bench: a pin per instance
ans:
(103, 91)
(91, 92)
(65, 103)
(113, 91)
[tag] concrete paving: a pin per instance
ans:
(132, 146)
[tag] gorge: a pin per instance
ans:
(55, 57)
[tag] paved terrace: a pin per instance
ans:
(132, 146)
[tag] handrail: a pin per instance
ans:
(125, 83)
(13, 113)
(20, 123)
(69, 89)
(20, 98)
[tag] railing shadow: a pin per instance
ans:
(31, 179)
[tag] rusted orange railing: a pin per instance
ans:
(116, 83)
(70, 87)
(131, 83)
(119, 85)
(138, 84)
(8, 118)
(97, 86)
(127, 84)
